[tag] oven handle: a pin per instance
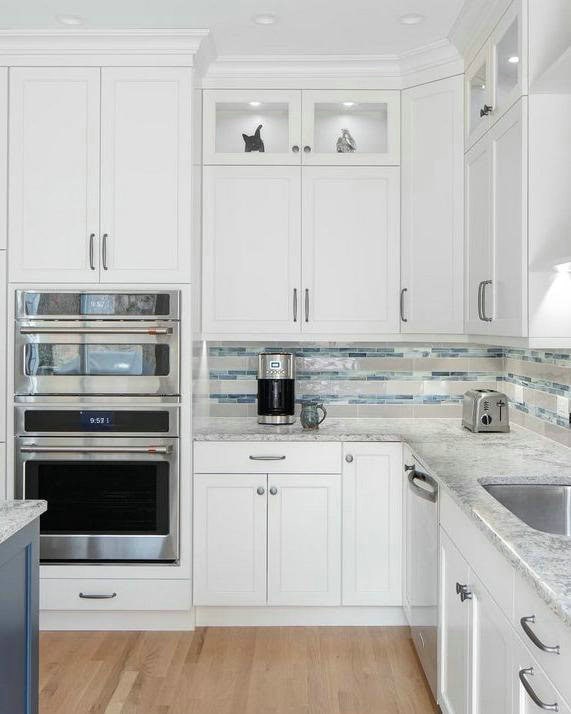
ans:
(95, 449)
(96, 330)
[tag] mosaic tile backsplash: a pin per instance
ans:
(398, 380)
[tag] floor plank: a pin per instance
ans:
(302, 670)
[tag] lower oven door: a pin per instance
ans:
(109, 499)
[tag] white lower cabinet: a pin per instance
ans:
(454, 635)
(304, 539)
(262, 539)
(230, 534)
(372, 524)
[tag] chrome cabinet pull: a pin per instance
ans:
(485, 110)
(524, 622)
(523, 675)
(295, 149)
(104, 251)
(267, 458)
(273, 490)
(33, 449)
(89, 596)
(55, 330)
(307, 304)
(422, 492)
(349, 458)
(307, 149)
(260, 490)
(402, 293)
(480, 286)
(409, 467)
(464, 592)
(484, 317)
(91, 257)
(295, 304)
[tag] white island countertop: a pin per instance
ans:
(460, 461)
(15, 515)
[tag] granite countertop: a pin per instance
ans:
(460, 461)
(15, 515)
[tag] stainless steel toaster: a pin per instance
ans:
(485, 410)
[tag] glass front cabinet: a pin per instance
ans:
(328, 127)
(496, 77)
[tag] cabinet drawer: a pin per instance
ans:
(129, 594)
(550, 630)
(267, 457)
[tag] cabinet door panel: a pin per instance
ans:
(230, 539)
(54, 173)
(304, 540)
(372, 524)
(478, 95)
(478, 235)
(432, 208)
(509, 157)
(350, 274)
(454, 631)
(492, 649)
(145, 173)
(252, 247)
(4, 157)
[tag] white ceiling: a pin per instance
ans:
(361, 27)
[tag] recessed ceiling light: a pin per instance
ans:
(411, 18)
(255, 104)
(265, 18)
(69, 20)
(348, 104)
(514, 59)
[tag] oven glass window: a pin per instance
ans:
(112, 498)
(119, 360)
(93, 304)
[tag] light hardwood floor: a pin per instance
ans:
(305, 670)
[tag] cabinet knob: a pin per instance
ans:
(464, 592)
(295, 148)
(307, 149)
(485, 110)
(260, 490)
(349, 458)
(273, 490)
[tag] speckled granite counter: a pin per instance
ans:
(459, 460)
(15, 515)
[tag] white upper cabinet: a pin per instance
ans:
(497, 75)
(145, 174)
(304, 539)
(99, 179)
(54, 174)
(350, 264)
(252, 249)
(281, 127)
(496, 228)
(432, 208)
(372, 524)
(351, 127)
(229, 115)
(4, 157)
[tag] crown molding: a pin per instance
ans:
(295, 71)
(474, 23)
(86, 42)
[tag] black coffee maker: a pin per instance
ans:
(276, 388)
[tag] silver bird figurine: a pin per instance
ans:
(346, 143)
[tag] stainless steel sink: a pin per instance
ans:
(545, 507)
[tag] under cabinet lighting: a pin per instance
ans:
(348, 105)
(514, 59)
(265, 18)
(255, 104)
(412, 18)
(69, 20)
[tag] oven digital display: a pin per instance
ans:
(96, 421)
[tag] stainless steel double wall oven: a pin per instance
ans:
(97, 388)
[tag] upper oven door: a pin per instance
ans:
(96, 357)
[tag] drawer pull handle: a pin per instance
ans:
(524, 622)
(523, 675)
(267, 458)
(464, 592)
(88, 596)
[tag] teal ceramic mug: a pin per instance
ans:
(309, 416)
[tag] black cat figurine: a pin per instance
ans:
(254, 143)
